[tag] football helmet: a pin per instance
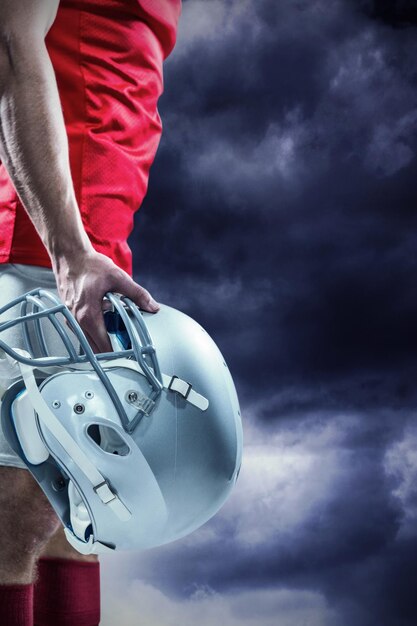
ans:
(133, 448)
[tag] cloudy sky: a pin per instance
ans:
(282, 215)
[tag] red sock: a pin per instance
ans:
(16, 605)
(67, 592)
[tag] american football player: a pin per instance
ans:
(79, 129)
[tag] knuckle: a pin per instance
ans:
(19, 493)
(84, 317)
(144, 294)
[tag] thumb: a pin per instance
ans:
(141, 297)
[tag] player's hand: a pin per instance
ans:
(82, 284)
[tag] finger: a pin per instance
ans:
(141, 297)
(101, 338)
(99, 344)
(94, 328)
(106, 305)
(92, 343)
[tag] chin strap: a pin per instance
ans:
(184, 389)
(9, 371)
(170, 383)
(80, 521)
(100, 485)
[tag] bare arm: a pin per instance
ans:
(34, 150)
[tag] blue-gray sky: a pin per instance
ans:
(282, 215)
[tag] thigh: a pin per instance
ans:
(16, 280)
(23, 505)
(27, 519)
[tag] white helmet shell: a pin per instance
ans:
(134, 448)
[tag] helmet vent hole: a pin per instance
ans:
(108, 439)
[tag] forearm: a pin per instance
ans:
(34, 147)
(34, 150)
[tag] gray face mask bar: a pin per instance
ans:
(142, 349)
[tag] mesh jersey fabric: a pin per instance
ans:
(108, 57)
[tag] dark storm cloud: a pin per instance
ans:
(282, 200)
(324, 521)
(397, 13)
(282, 215)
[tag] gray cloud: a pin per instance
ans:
(284, 180)
(281, 214)
(319, 509)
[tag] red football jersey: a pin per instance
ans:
(107, 56)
